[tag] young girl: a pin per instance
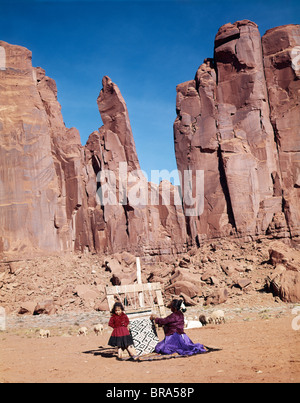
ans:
(176, 341)
(120, 336)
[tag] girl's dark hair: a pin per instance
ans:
(116, 305)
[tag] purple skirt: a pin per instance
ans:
(179, 343)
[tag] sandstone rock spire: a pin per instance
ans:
(238, 120)
(281, 50)
(28, 183)
(130, 220)
(42, 197)
(114, 114)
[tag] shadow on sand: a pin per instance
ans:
(108, 352)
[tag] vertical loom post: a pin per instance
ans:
(139, 280)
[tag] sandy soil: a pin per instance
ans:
(257, 350)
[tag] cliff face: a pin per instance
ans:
(127, 212)
(42, 175)
(238, 121)
(55, 194)
(282, 70)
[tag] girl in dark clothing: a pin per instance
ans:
(120, 336)
(176, 341)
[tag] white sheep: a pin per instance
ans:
(82, 331)
(217, 317)
(44, 333)
(192, 323)
(98, 329)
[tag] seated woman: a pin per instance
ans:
(176, 341)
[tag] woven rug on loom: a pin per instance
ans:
(144, 335)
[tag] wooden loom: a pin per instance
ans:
(138, 299)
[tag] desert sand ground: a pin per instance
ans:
(257, 348)
(258, 343)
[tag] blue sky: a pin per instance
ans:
(145, 47)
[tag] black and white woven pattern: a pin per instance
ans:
(144, 335)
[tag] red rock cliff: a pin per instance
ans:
(128, 212)
(50, 188)
(42, 196)
(238, 121)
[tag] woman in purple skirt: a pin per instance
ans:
(176, 341)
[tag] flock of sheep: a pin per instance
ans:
(82, 331)
(216, 318)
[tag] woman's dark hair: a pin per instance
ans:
(116, 305)
(176, 303)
